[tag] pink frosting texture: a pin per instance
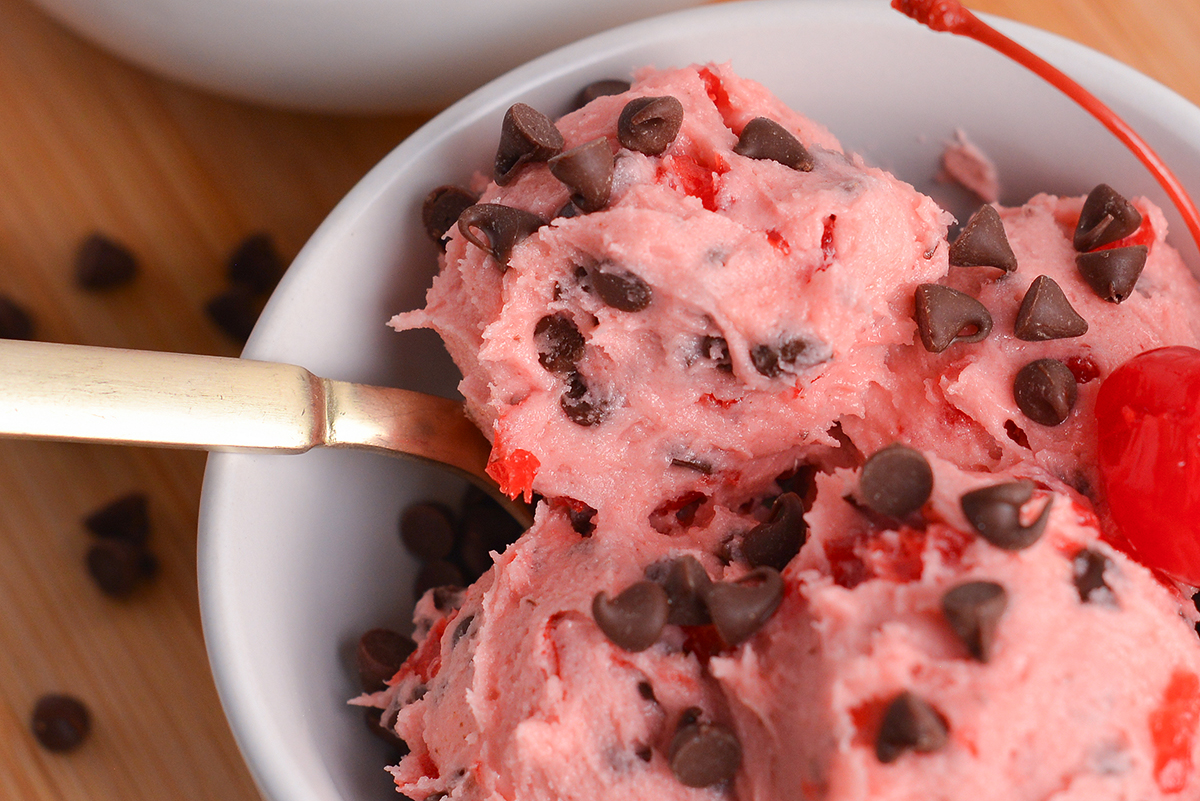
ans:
(778, 350)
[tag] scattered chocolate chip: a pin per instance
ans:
(896, 481)
(777, 540)
(763, 138)
(704, 754)
(973, 611)
(127, 518)
(650, 124)
(497, 229)
(995, 512)
(437, 573)
(1045, 391)
(1089, 567)
(441, 211)
(601, 88)
(374, 720)
(740, 608)
(620, 289)
(255, 263)
(526, 134)
(587, 170)
(983, 243)
(635, 618)
(559, 343)
(116, 566)
(945, 316)
(60, 723)
(379, 656)
(687, 583)
(788, 357)
(15, 321)
(1046, 313)
(235, 311)
(716, 350)
(910, 724)
(461, 630)
(101, 263)
(427, 530)
(692, 463)
(1106, 217)
(1113, 273)
(580, 405)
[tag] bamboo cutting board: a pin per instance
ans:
(88, 143)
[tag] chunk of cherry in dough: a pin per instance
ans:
(1148, 430)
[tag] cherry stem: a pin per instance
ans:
(950, 16)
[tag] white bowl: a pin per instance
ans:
(342, 55)
(299, 554)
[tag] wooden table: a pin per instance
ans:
(88, 143)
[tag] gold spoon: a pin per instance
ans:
(177, 400)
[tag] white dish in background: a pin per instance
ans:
(342, 55)
(299, 554)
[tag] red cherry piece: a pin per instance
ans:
(1148, 428)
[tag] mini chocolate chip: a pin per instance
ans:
(945, 316)
(461, 630)
(497, 229)
(896, 481)
(777, 540)
(1046, 313)
(763, 138)
(582, 406)
(995, 512)
(601, 88)
(526, 134)
(559, 343)
(15, 321)
(437, 573)
(620, 289)
(60, 723)
(116, 566)
(650, 124)
(1113, 273)
(788, 357)
(587, 170)
(1089, 567)
(692, 463)
(1045, 391)
(379, 655)
(910, 724)
(973, 611)
(101, 263)
(716, 350)
(1106, 217)
(235, 311)
(427, 531)
(255, 263)
(704, 754)
(687, 584)
(740, 608)
(983, 243)
(441, 210)
(635, 618)
(125, 518)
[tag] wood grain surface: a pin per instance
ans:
(89, 143)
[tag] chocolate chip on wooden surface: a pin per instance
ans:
(763, 138)
(587, 170)
(650, 124)
(255, 263)
(910, 724)
(600, 88)
(103, 263)
(15, 320)
(703, 754)
(995, 513)
(687, 583)
(235, 311)
(620, 289)
(126, 518)
(896, 481)
(740, 608)
(526, 134)
(945, 316)
(60, 723)
(1046, 313)
(427, 530)
(118, 567)
(1106, 216)
(497, 229)
(1045, 391)
(441, 210)
(1088, 568)
(983, 243)
(778, 539)
(1113, 273)
(973, 610)
(559, 344)
(379, 655)
(635, 618)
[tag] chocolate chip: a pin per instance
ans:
(1112, 273)
(427, 531)
(687, 584)
(497, 229)
(235, 311)
(379, 656)
(461, 630)
(777, 540)
(1046, 313)
(101, 263)
(740, 608)
(559, 343)
(945, 316)
(60, 723)
(650, 124)
(255, 263)
(1089, 567)
(526, 134)
(15, 321)
(601, 88)
(582, 406)
(1106, 217)
(587, 170)
(1045, 391)
(126, 518)
(620, 289)
(116, 566)
(693, 463)
(441, 210)
(704, 754)
(716, 350)
(447, 598)
(763, 138)
(635, 618)
(437, 573)
(983, 243)
(910, 724)
(995, 512)
(896, 481)
(973, 611)
(788, 357)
